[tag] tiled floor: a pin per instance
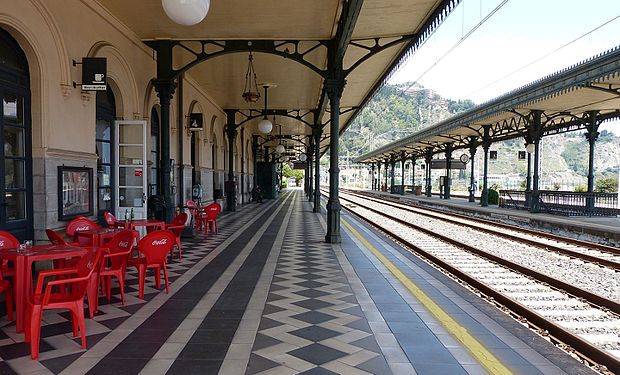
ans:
(268, 296)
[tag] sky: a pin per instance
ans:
(489, 47)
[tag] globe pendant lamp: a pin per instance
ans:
(303, 157)
(265, 126)
(279, 149)
(186, 12)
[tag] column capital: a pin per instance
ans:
(164, 88)
(334, 87)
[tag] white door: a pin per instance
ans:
(131, 169)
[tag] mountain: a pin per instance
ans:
(400, 110)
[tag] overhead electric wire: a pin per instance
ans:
(544, 56)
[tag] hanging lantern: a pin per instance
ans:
(250, 90)
(186, 12)
(303, 157)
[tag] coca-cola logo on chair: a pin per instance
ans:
(159, 242)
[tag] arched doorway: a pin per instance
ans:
(106, 114)
(16, 216)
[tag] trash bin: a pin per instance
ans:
(156, 207)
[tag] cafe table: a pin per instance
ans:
(98, 237)
(23, 260)
(146, 223)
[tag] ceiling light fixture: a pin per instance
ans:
(186, 12)
(265, 126)
(250, 90)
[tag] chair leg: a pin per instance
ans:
(35, 331)
(215, 223)
(8, 296)
(141, 277)
(81, 322)
(157, 275)
(121, 284)
(166, 279)
(74, 321)
(92, 294)
(179, 246)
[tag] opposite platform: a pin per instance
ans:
(267, 295)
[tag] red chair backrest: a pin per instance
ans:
(78, 224)
(180, 219)
(8, 241)
(122, 242)
(110, 219)
(54, 237)
(156, 245)
(212, 210)
(85, 268)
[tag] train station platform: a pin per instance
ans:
(584, 228)
(267, 295)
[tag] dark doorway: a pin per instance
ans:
(16, 216)
(106, 114)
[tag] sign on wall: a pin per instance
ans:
(195, 121)
(94, 73)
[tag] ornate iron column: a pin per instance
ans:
(378, 179)
(392, 172)
(231, 133)
(528, 178)
(591, 136)
(316, 132)
(428, 160)
(402, 172)
(387, 168)
(446, 189)
(535, 131)
(413, 173)
(372, 176)
(242, 182)
(254, 157)
(472, 181)
(486, 143)
(310, 170)
(165, 90)
(335, 86)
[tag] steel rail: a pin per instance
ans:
(575, 254)
(558, 333)
(551, 236)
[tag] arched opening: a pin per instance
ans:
(154, 154)
(105, 115)
(16, 135)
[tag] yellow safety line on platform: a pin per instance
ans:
(482, 354)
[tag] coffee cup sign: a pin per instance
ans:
(94, 72)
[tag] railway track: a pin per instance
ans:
(606, 256)
(581, 319)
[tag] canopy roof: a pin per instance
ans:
(565, 101)
(376, 35)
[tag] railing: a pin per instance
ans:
(566, 203)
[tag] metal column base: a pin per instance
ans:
(333, 222)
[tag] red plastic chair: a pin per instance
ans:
(66, 293)
(7, 240)
(80, 223)
(114, 263)
(194, 212)
(176, 227)
(209, 218)
(153, 249)
(54, 237)
(111, 220)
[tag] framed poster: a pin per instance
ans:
(75, 192)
